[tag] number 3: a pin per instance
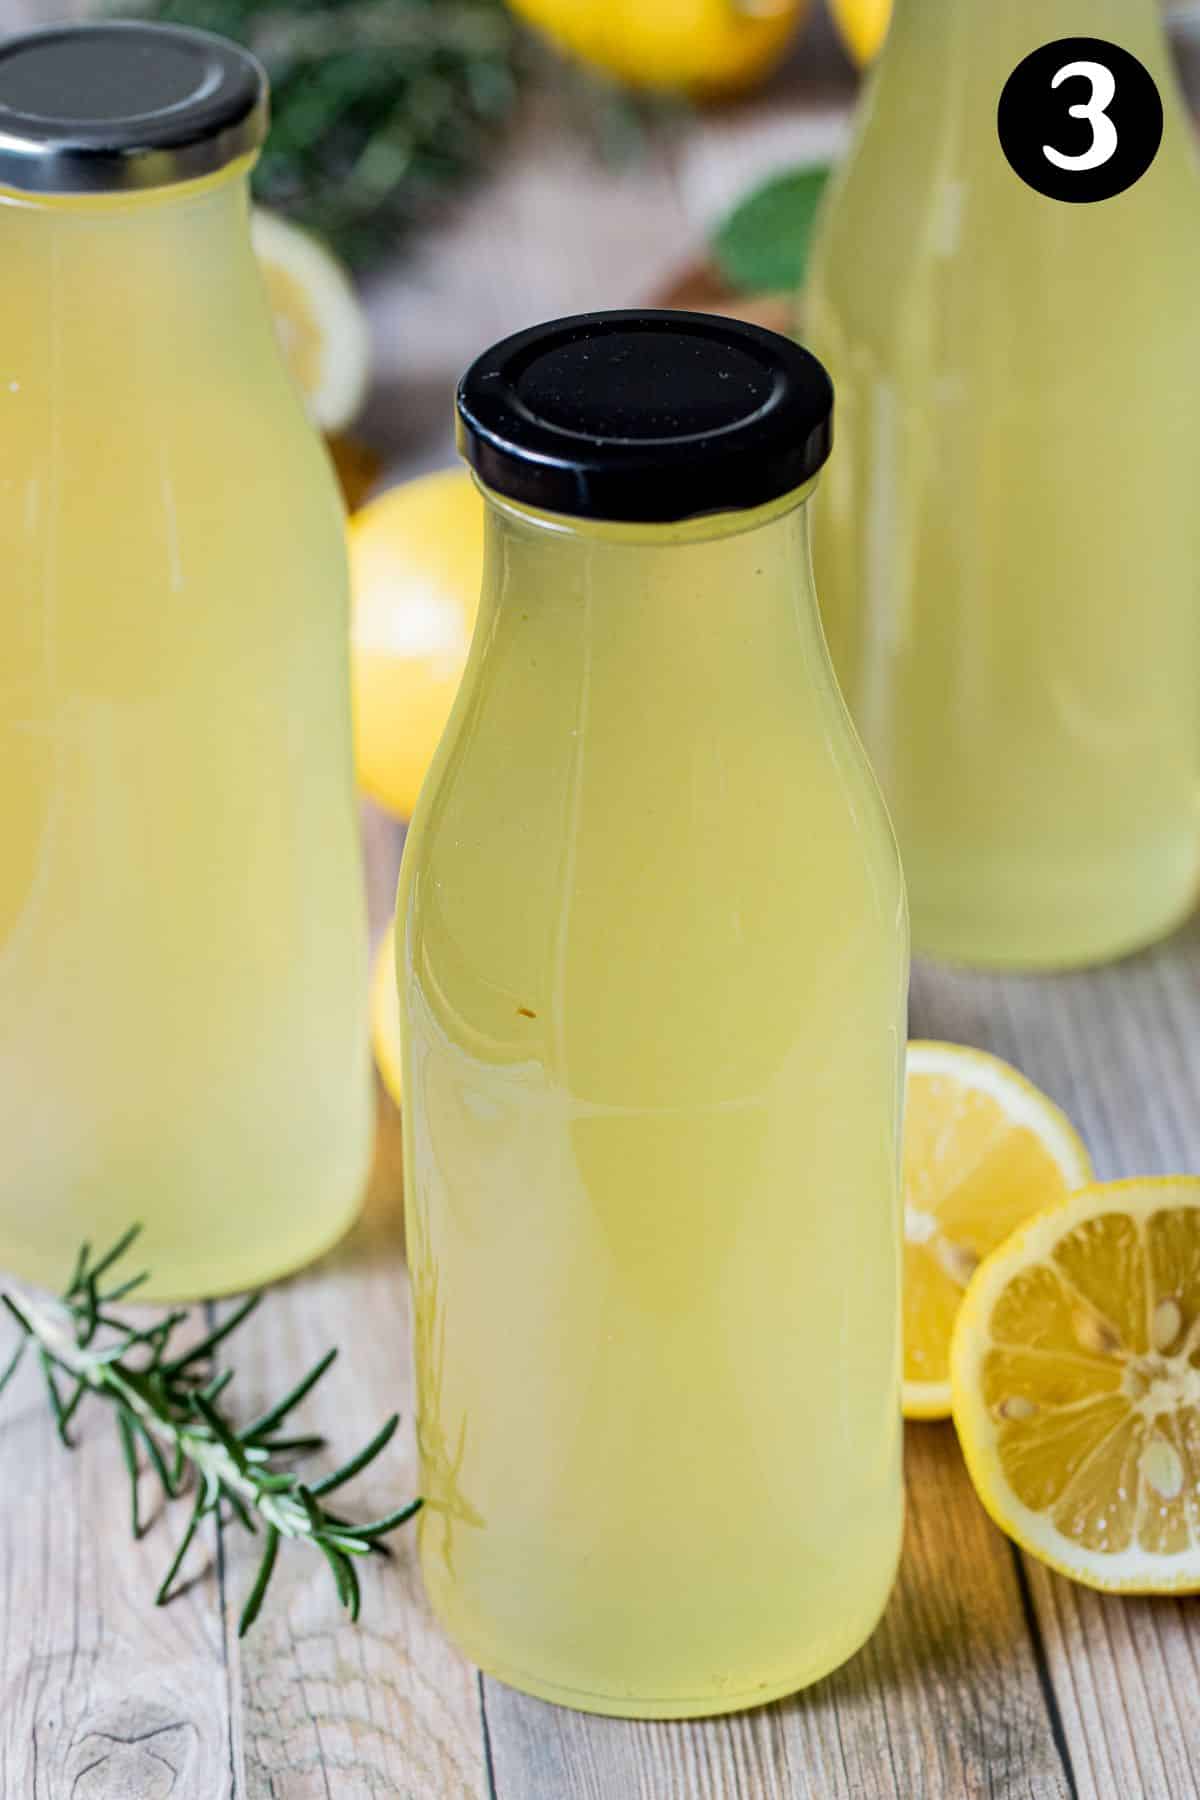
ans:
(1104, 132)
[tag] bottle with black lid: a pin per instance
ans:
(182, 940)
(652, 950)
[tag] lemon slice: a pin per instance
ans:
(1076, 1370)
(983, 1150)
(385, 1014)
(320, 322)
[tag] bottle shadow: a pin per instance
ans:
(954, 1661)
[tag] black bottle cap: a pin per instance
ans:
(645, 416)
(105, 108)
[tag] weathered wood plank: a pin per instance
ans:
(387, 1707)
(944, 1703)
(1120, 1048)
(101, 1693)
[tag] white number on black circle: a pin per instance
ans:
(1103, 146)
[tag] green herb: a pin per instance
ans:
(380, 108)
(167, 1406)
(762, 246)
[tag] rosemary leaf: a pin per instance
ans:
(164, 1588)
(81, 1388)
(126, 1288)
(266, 1568)
(158, 1462)
(368, 1453)
(56, 1399)
(279, 1412)
(110, 1256)
(125, 1433)
(216, 1336)
(212, 1390)
(13, 1363)
(222, 1432)
(81, 1263)
(377, 1527)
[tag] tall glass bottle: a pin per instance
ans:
(652, 950)
(1007, 540)
(182, 951)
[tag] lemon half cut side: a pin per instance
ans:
(1076, 1378)
(983, 1150)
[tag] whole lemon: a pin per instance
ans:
(699, 46)
(863, 25)
(416, 559)
(385, 1013)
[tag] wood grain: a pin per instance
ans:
(101, 1693)
(944, 1703)
(328, 1708)
(1119, 1047)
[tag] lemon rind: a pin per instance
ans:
(1134, 1570)
(1024, 1102)
(1027, 1106)
(346, 362)
(926, 1400)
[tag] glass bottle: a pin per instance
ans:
(652, 948)
(1006, 542)
(182, 1039)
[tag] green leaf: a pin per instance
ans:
(366, 1455)
(10, 1367)
(164, 1591)
(266, 1568)
(377, 1527)
(125, 1432)
(269, 1420)
(115, 1254)
(208, 1344)
(762, 246)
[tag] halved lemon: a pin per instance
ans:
(1076, 1371)
(385, 1014)
(320, 321)
(983, 1150)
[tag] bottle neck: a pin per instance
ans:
(941, 27)
(711, 605)
(114, 261)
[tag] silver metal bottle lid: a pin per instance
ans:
(114, 107)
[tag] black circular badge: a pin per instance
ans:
(1080, 119)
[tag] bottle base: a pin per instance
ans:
(185, 1278)
(1040, 947)
(616, 1705)
(255, 1272)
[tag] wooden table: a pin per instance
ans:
(988, 1676)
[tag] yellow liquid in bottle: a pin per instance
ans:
(182, 1039)
(653, 955)
(1006, 538)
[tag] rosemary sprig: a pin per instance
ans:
(166, 1404)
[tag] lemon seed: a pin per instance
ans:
(1096, 1334)
(1166, 1324)
(1162, 1469)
